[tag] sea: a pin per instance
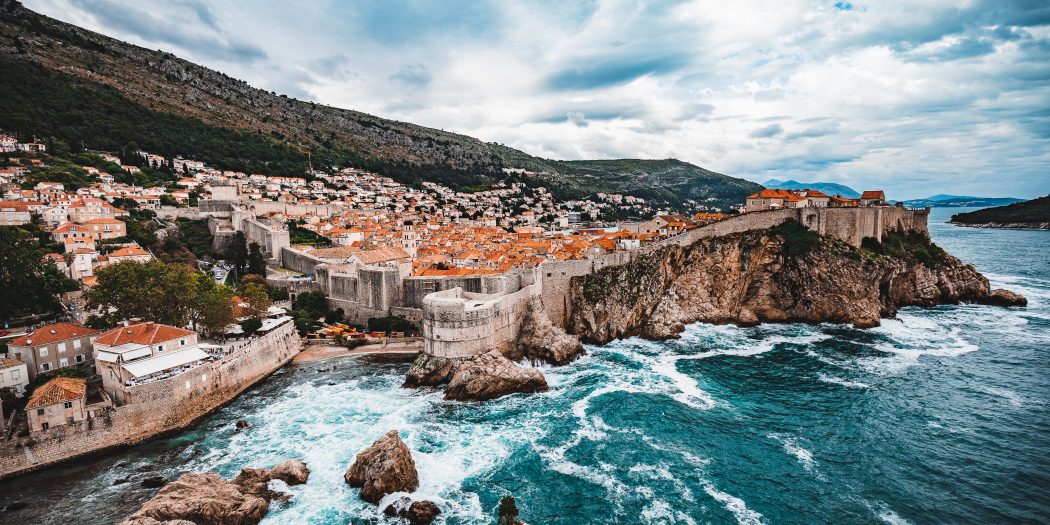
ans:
(938, 416)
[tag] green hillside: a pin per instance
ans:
(1035, 212)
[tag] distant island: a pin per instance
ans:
(829, 188)
(960, 201)
(1027, 214)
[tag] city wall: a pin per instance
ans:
(458, 324)
(156, 408)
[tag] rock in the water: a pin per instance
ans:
(540, 341)
(1000, 297)
(427, 370)
(416, 512)
(154, 482)
(15, 506)
(383, 468)
(491, 375)
(292, 472)
(242, 425)
(201, 499)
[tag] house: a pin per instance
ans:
(53, 346)
(129, 253)
(15, 213)
(873, 198)
(14, 374)
(144, 352)
(60, 401)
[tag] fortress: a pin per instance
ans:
(464, 316)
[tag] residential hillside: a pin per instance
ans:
(1028, 214)
(66, 82)
(829, 188)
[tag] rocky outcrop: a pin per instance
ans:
(207, 499)
(416, 512)
(762, 276)
(384, 468)
(487, 376)
(539, 341)
(1002, 297)
(201, 499)
(491, 375)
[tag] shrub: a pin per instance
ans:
(798, 240)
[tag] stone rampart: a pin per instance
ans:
(459, 324)
(158, 407)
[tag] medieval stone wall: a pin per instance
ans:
(158, 407)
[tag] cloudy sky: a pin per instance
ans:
(915, 96)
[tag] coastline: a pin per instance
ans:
(1005, 225)
(314, 353)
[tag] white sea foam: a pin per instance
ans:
(892, 518)
(1010, 396)
(842, 382)
(791, 446)
(735, 505)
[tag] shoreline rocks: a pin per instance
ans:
(755, 277)
(481, 378)
(208, 499)
(386, 467)
(383, 468)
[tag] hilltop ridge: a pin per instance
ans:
(54, 54)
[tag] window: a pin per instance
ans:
(160, 348)
(39, 411)
(15, 374)
(67, 404)
(182, 342)
(62, 347)
(43, 352)
(76, 344)
(63, 362)
(44, 425)
(80, 358)
(44, 367)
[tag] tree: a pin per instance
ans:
(152, 291)
(256, 261)
(28, 283)
(211, 309)
(237, 251)
(257, 297)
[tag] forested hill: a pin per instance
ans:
(1034, 214)
(67, 81)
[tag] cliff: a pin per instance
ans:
(784, 274)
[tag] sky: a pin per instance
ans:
(917, 97)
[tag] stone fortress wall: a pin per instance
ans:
(158, 407)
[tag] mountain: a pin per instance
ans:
(1027, 214)
(90, 90)
(957, 201)
(829, 188)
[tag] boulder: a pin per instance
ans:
(292, 472)
(201, 499)
(383, 468)
(491, 375)
(242, 425)
(428, 370)
(540, 341)
(154, 482)
(207, 499)
(1000, 297)
(416, 512)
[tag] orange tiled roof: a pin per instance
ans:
(52, 333)
(56, 391)
(142, 333)
(8, 363)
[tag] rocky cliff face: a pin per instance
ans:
(766, 276)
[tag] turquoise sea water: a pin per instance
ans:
(940, 416)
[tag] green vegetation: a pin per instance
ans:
(196, 237)
(911, 245)
(300, 235)
(798, 240)
(155, 291)
(391, 324)
(86, 115)
(28, 284)
(307, 308)
(1035, 211)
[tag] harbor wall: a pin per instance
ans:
(156, 408)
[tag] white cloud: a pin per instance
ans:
(918, 97)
